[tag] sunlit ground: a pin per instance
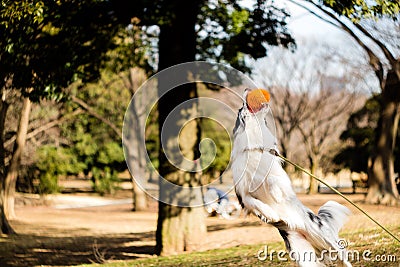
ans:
(112, 234)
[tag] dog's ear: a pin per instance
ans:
(239, 121)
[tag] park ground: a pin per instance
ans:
(88, 230)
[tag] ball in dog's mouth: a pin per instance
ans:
(256, 99)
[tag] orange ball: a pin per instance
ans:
(256, 99)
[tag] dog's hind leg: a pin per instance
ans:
(300, 250)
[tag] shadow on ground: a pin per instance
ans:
(32, 250)
(222, 226)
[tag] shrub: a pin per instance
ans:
(53, 162)
(105, 181)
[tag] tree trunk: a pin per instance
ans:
(382, 188)
(178, 228)
(313, 188)
(5, 227)
(12, 173)
(139, 197)
(134, 161)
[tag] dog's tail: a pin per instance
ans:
(324, 231)
(320, 234)
(334, 215)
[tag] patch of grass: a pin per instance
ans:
(235, 256)
(373, 246)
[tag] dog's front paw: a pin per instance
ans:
(262, 218)
(269, 220)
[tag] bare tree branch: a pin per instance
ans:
(93, 113)
(383, 47)
(374, 60)
(312, 12)
(46, 126)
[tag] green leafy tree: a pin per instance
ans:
(45, 46)
(223, 31)
(94, 136)
(101, 157)
(360, 137)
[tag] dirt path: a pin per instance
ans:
(50, 236)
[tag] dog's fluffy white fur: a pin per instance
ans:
(264, 189)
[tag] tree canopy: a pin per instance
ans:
(360, 137)
(227, 31)
(46, 44)
(362, 9)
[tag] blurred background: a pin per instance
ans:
(70, 68)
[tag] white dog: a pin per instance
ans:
(264, 189)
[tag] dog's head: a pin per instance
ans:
(255, 111)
